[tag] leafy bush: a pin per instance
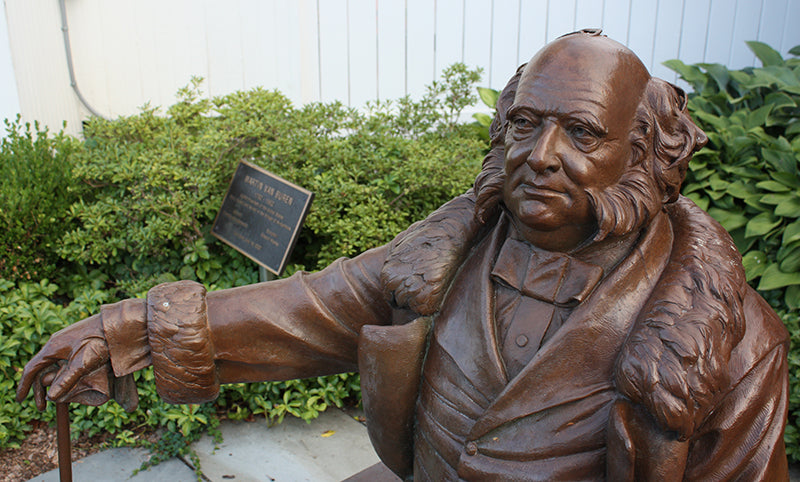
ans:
(159, 181)
(36, 188)
(156, 183)
(747, 178)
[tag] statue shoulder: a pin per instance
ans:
(422, 261)
(677, 359)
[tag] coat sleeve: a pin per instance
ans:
(743, 437)
(302, 326)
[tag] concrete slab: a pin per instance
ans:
(330, 448)
(118, 464)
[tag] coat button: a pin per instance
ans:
(471, 448)
(521, 340)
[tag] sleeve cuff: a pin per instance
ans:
(180, 343)
(125, 329)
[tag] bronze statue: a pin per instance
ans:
(572, 317)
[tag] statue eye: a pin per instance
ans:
(521, 123)
(583, 136)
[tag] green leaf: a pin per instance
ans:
(774, 278)
(781, 160)
(789, 259)
(788, 179)
(483, 119)
(766, 54)
(488, 96)
(789, 208)
(719, 73)
(791, 232)
(777, 198)
(795, 50)
(773, 186)
(754, 262)
(761, 225)
(779, 100)
(699, 199)
(690, 73)
(729, 220)
(740, 190)
(758, 117)
(792, 297)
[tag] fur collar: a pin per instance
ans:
(675, 359)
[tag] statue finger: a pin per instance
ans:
(85, 360)
(32, 372)
(43, 379)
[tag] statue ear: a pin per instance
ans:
(675, 135)
(498, 128)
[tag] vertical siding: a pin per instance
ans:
(127, 54)
(9, 99)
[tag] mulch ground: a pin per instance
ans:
(38, 453)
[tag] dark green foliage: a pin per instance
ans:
(748, 178)
(160, 180)
(36, 188)
(155, 185)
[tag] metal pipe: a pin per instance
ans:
(64, 444)
(68, 50)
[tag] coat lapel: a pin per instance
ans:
(579, 359)
(465, 327)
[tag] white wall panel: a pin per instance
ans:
(333, 50)
(588, 14)
(505, 41)
(694, 31)
(745, 27)
(391, 49)
(129, 53)
(363, 69)
(40, 66)
(720, 31)
(616, 15)
(791, 32)
(478, 36)
(225, 59)
(641, 32)
(420, 45)
(449, 34)
(9, 99)
(666, 37)
(560, 18)
(533, 31)
(259, 46)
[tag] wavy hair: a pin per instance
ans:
(663, 139)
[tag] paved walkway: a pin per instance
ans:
(330, 448)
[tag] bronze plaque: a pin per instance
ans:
(261, 216)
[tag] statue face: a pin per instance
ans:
(568, 131)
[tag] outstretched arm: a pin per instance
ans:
(306, 325)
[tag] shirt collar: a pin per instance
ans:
(549, 276)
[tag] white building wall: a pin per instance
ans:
(9, 100)
(128, 53)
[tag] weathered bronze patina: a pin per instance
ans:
(570, 318)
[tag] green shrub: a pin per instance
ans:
(747, 178)
(36, 186)
(156, 185)
(28, 317)
(159, 180)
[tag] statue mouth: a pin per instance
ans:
(539, 191)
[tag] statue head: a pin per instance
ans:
(585, 144)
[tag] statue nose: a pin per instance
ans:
(544, 155)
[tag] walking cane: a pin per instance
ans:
(64, 448)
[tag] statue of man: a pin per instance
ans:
(572, 317)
